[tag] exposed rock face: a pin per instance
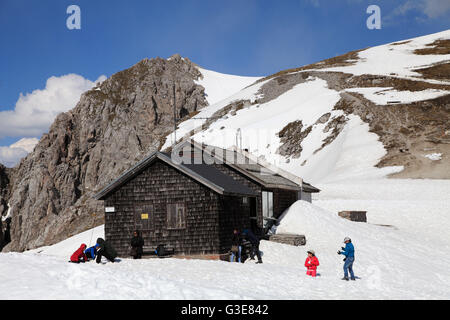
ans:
(112, 127)
(4, 182)
(407, 131)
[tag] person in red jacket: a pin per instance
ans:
(311, 263)
(79, 256)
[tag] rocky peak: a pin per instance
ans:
(114, 125)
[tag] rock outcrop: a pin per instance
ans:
(4, 184)
(113, 126)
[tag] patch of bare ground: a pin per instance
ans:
(399, 84)
(229, 110)
(407, 132)
(336, 125)
(279, 85)
(400, 43)
(441, 46)
(291, 137)
(347, 59)
(438, 72)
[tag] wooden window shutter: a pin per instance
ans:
(176, 216)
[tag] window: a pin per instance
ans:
(143, 217)
(176, 216)
(267, 204)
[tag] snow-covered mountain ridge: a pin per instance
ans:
(386, 107)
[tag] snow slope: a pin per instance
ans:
(352, 154)
(384, 96)
(355, 151)
(406, 261)
(67, 247)
(396, 59)
(219, 86)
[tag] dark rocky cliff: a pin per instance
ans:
(113, 126)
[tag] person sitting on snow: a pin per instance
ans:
(311, 263)
(91, 252)
(349, 253)
(79, 256)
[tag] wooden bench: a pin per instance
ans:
(151, 250)
(291, 239)
(357, 216)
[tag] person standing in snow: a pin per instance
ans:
(137, 244)
(254, 240)
(105, 250)
(349, 253)
(236, 247)
(79, 256)
(311, 264)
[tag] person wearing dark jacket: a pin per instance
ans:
(236, 247)
(254, 240)
(105, 250)
(136, 245)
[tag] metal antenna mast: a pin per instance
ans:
(174, 116)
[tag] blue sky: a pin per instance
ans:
(246, 37)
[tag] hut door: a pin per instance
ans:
(143, 218)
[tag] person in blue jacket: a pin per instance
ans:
(91, 252)
(349, 253)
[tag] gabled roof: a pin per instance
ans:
(253, 168)
(202, 173)
(309, 188)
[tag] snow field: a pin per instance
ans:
(406, 261)
(396, 60)
(384, 96)
(219, 86)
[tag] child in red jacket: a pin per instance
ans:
(79, 256)
(311, 263)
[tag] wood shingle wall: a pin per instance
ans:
(283, 199)
(153, 189)
(245, 181)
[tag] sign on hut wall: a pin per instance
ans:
(110, 209)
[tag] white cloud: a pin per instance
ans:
(34, 112)
(10, 156)
(436, 8)
(432, 9)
